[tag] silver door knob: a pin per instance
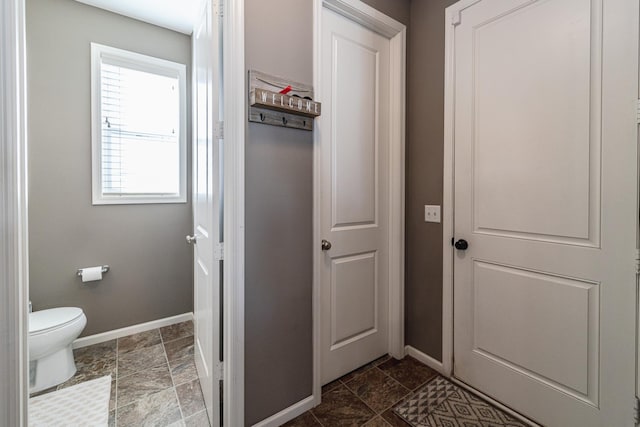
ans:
(192, 240)
(326, 245)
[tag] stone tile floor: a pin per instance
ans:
(155, 384)
(154, 379)
(366, 396)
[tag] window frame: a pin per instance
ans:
(147, 64)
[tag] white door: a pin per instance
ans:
(206, 207)
(546, 197)
(354, 145)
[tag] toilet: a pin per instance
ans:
(51, 335)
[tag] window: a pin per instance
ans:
(138, 128)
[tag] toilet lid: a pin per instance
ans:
(52, 318)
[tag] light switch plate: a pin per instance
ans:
(431, 213)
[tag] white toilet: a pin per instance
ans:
(51, 334)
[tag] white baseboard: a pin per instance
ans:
(426, 359)
(288, 414)
(130, 330)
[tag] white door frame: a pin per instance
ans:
(235, 110)
(451, 13)
(365, 15)
(14, 270)
(14, 219)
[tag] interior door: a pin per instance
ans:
(206, 209)
(354, 135)
(546, 199)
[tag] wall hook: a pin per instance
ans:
(284, 121)
(262, 117)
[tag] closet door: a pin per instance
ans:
(355, 141)
(546, 201)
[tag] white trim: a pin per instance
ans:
(434, 364)
(397, 139)
(317, 231)
(367, 16)
(14, 270)
(452, 16)
(130, 330)
(234, 158)
(493, 402)
(374, 20)
(447, 196)
(137, 61)
(288, 414)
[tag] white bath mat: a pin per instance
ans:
(84, 404)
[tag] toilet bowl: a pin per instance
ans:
(51, 335)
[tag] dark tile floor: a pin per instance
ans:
(366, 396)
(154, 377)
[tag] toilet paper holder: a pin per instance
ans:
(105, 268)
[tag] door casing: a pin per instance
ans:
(376, 21)
(14, 241)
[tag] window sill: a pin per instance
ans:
(127, 200)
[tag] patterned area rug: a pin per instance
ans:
(441, 403)
(84, 404)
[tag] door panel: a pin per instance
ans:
(206, 203)
(545, 194)
(354, 146)
(353, 279)
(533, 102)
(556, 346)
(354, 132)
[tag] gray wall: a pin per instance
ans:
(151, 266)
(425, 127)
(279, 189)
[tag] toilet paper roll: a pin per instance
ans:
(91, 274)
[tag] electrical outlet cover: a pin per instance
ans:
(432, 213)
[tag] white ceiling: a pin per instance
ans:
(177, 15)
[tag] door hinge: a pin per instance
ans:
(218, 130)
(636, 411)
(637, 261)
(218, 251)
(218, 370)
(219, 8)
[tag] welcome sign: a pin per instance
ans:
(280, 102)
(286, 103)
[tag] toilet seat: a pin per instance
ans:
(44, 321)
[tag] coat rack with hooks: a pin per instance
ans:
(280, 102)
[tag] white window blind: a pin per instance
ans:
(141, 140)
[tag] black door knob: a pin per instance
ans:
(461, 244)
